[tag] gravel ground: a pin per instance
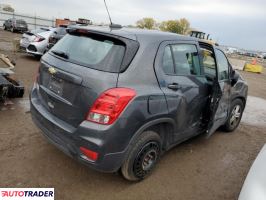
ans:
(200, 168)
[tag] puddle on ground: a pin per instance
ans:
(6, 46)
(16, 104)
(255, 112)
(24, 104)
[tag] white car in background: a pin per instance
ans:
(30, 36)
(36, 42)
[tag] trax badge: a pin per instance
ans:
(52, 70)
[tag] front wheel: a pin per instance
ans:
(236, 111)
(143, 154)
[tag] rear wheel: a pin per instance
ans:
(235, 116)
(142, 157)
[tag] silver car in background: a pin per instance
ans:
(36, 45)
(30, 36)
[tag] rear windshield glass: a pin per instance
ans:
(94, 51)
(39, 30)
(20, 22)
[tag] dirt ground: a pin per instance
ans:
(209, 169)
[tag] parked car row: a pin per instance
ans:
(35, 42)
(252, 54)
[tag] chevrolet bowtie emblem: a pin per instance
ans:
(52, 70)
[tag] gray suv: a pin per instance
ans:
(15, 25)
(117, 99)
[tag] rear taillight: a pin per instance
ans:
(109, 105)
(39, 39)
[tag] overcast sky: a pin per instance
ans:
(239, 23)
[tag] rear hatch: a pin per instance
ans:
(27, 38)
(77, 70)
(21, 24)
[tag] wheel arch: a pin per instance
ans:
(163, 126)
(243, 99)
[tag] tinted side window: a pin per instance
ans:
(186, 59)
(168, 64)
(222, 65)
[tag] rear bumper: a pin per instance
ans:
(32, 49)
(34, 53)
(37, 48)
(68, 139)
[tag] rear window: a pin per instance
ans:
(40, 30)
(93, 51)
(20, 22)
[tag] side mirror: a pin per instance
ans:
(234, 77)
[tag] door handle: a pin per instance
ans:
(174, 86)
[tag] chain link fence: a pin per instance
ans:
(33, 22)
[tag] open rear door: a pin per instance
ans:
(219, 101)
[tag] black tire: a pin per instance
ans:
(143, 154)
(4, 27)
(236, 111)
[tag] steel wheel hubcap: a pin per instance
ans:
(149, 159)
(146, 159)
(235, 115)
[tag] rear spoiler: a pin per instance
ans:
(29, 33)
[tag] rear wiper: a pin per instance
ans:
(61, 54)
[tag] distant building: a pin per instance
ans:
(66, 22)
(63, 22)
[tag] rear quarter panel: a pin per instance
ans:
(239, 90)
(150, 103)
